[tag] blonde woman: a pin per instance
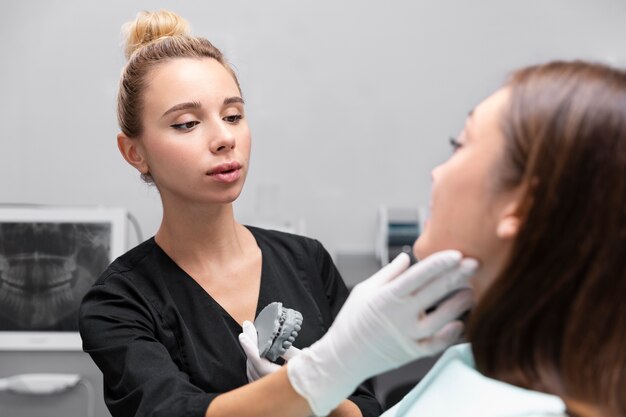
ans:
(163, 321)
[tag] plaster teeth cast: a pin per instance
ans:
(277, 328)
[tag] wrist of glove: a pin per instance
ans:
(256, 366)
(383, 325)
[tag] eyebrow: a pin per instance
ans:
(234, 99)
(183, 106)
(468, 120)
(197, 105)
(469, 117)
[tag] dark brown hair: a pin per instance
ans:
(151, 39)
(555, 318)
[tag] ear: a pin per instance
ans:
(133, 153)
(509, 222)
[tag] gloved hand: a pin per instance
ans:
(256, 366)
(383, 325)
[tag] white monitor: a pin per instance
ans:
(49, 258)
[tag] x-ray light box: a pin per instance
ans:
(49, 258)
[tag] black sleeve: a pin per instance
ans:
(118, 327)
(337, 293)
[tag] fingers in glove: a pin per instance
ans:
(448, 335)
(250, 347)
(250, 331)
(291, 353)
(390, 271)
(251, 372)
(256, 367)
(448, 311)
(424, 271)
(444, 284)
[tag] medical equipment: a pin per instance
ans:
(38, 384)
(398, 228)
(48, 384)
(277, 328)
(49, 257)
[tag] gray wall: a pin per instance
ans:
(350, 102)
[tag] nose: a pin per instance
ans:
(223, 139)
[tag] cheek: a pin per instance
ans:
(459, 215)
(436, 234)
(245, 141)
(246, 148)
(168, 162)
(168, 158)
(444, 230)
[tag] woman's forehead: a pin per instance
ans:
(182, 79)
(491, 106)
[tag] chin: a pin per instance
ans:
(229, 195)
(420, 248)
(227, 199)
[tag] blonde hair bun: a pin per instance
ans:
(150, 26)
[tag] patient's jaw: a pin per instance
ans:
(581, 409)
(469, 210)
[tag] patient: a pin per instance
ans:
(536, 191)
(540, 174)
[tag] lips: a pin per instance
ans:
(227, 172)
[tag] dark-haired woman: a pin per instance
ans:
(539, 171)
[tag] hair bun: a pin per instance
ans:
(150, 26)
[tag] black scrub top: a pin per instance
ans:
(167, 348)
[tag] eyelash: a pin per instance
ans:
(185, 126)
(234, 119)
(455, 144)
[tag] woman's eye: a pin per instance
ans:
(185, 126)
(456, 145)
(233, 118)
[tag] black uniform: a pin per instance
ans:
(167, 348)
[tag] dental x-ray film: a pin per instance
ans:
(49, 258)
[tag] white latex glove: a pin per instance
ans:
(256, 366)
(383, 325)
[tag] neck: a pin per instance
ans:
(581, 409)
(490, 268)
(198, 233)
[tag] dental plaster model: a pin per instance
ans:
(277, 328)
